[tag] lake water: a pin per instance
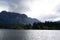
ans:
(6, 34)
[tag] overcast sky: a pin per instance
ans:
(43, 10)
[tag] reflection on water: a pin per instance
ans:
(29, 34)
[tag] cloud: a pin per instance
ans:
(53, 14)
(57, 8)
(51, 17)
(4, 6)
(17, 5)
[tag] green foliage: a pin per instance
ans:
(47, 25)
(40, 25)
(27, 26)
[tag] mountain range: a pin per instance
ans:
(10, 18)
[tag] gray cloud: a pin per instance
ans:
(57, 8)
(17, 5)
(52, 17)
(49, 17)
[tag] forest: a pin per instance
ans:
(37, 25)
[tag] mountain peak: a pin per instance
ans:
(4, 12)
(15, 18)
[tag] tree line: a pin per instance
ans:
(37, 25)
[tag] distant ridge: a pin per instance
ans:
(9, 18)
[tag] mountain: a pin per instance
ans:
(12, 18)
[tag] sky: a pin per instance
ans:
(43, 10)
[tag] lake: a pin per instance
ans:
(6, 34)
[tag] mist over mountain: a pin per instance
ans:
(12, 18)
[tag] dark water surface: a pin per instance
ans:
(6, 34)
